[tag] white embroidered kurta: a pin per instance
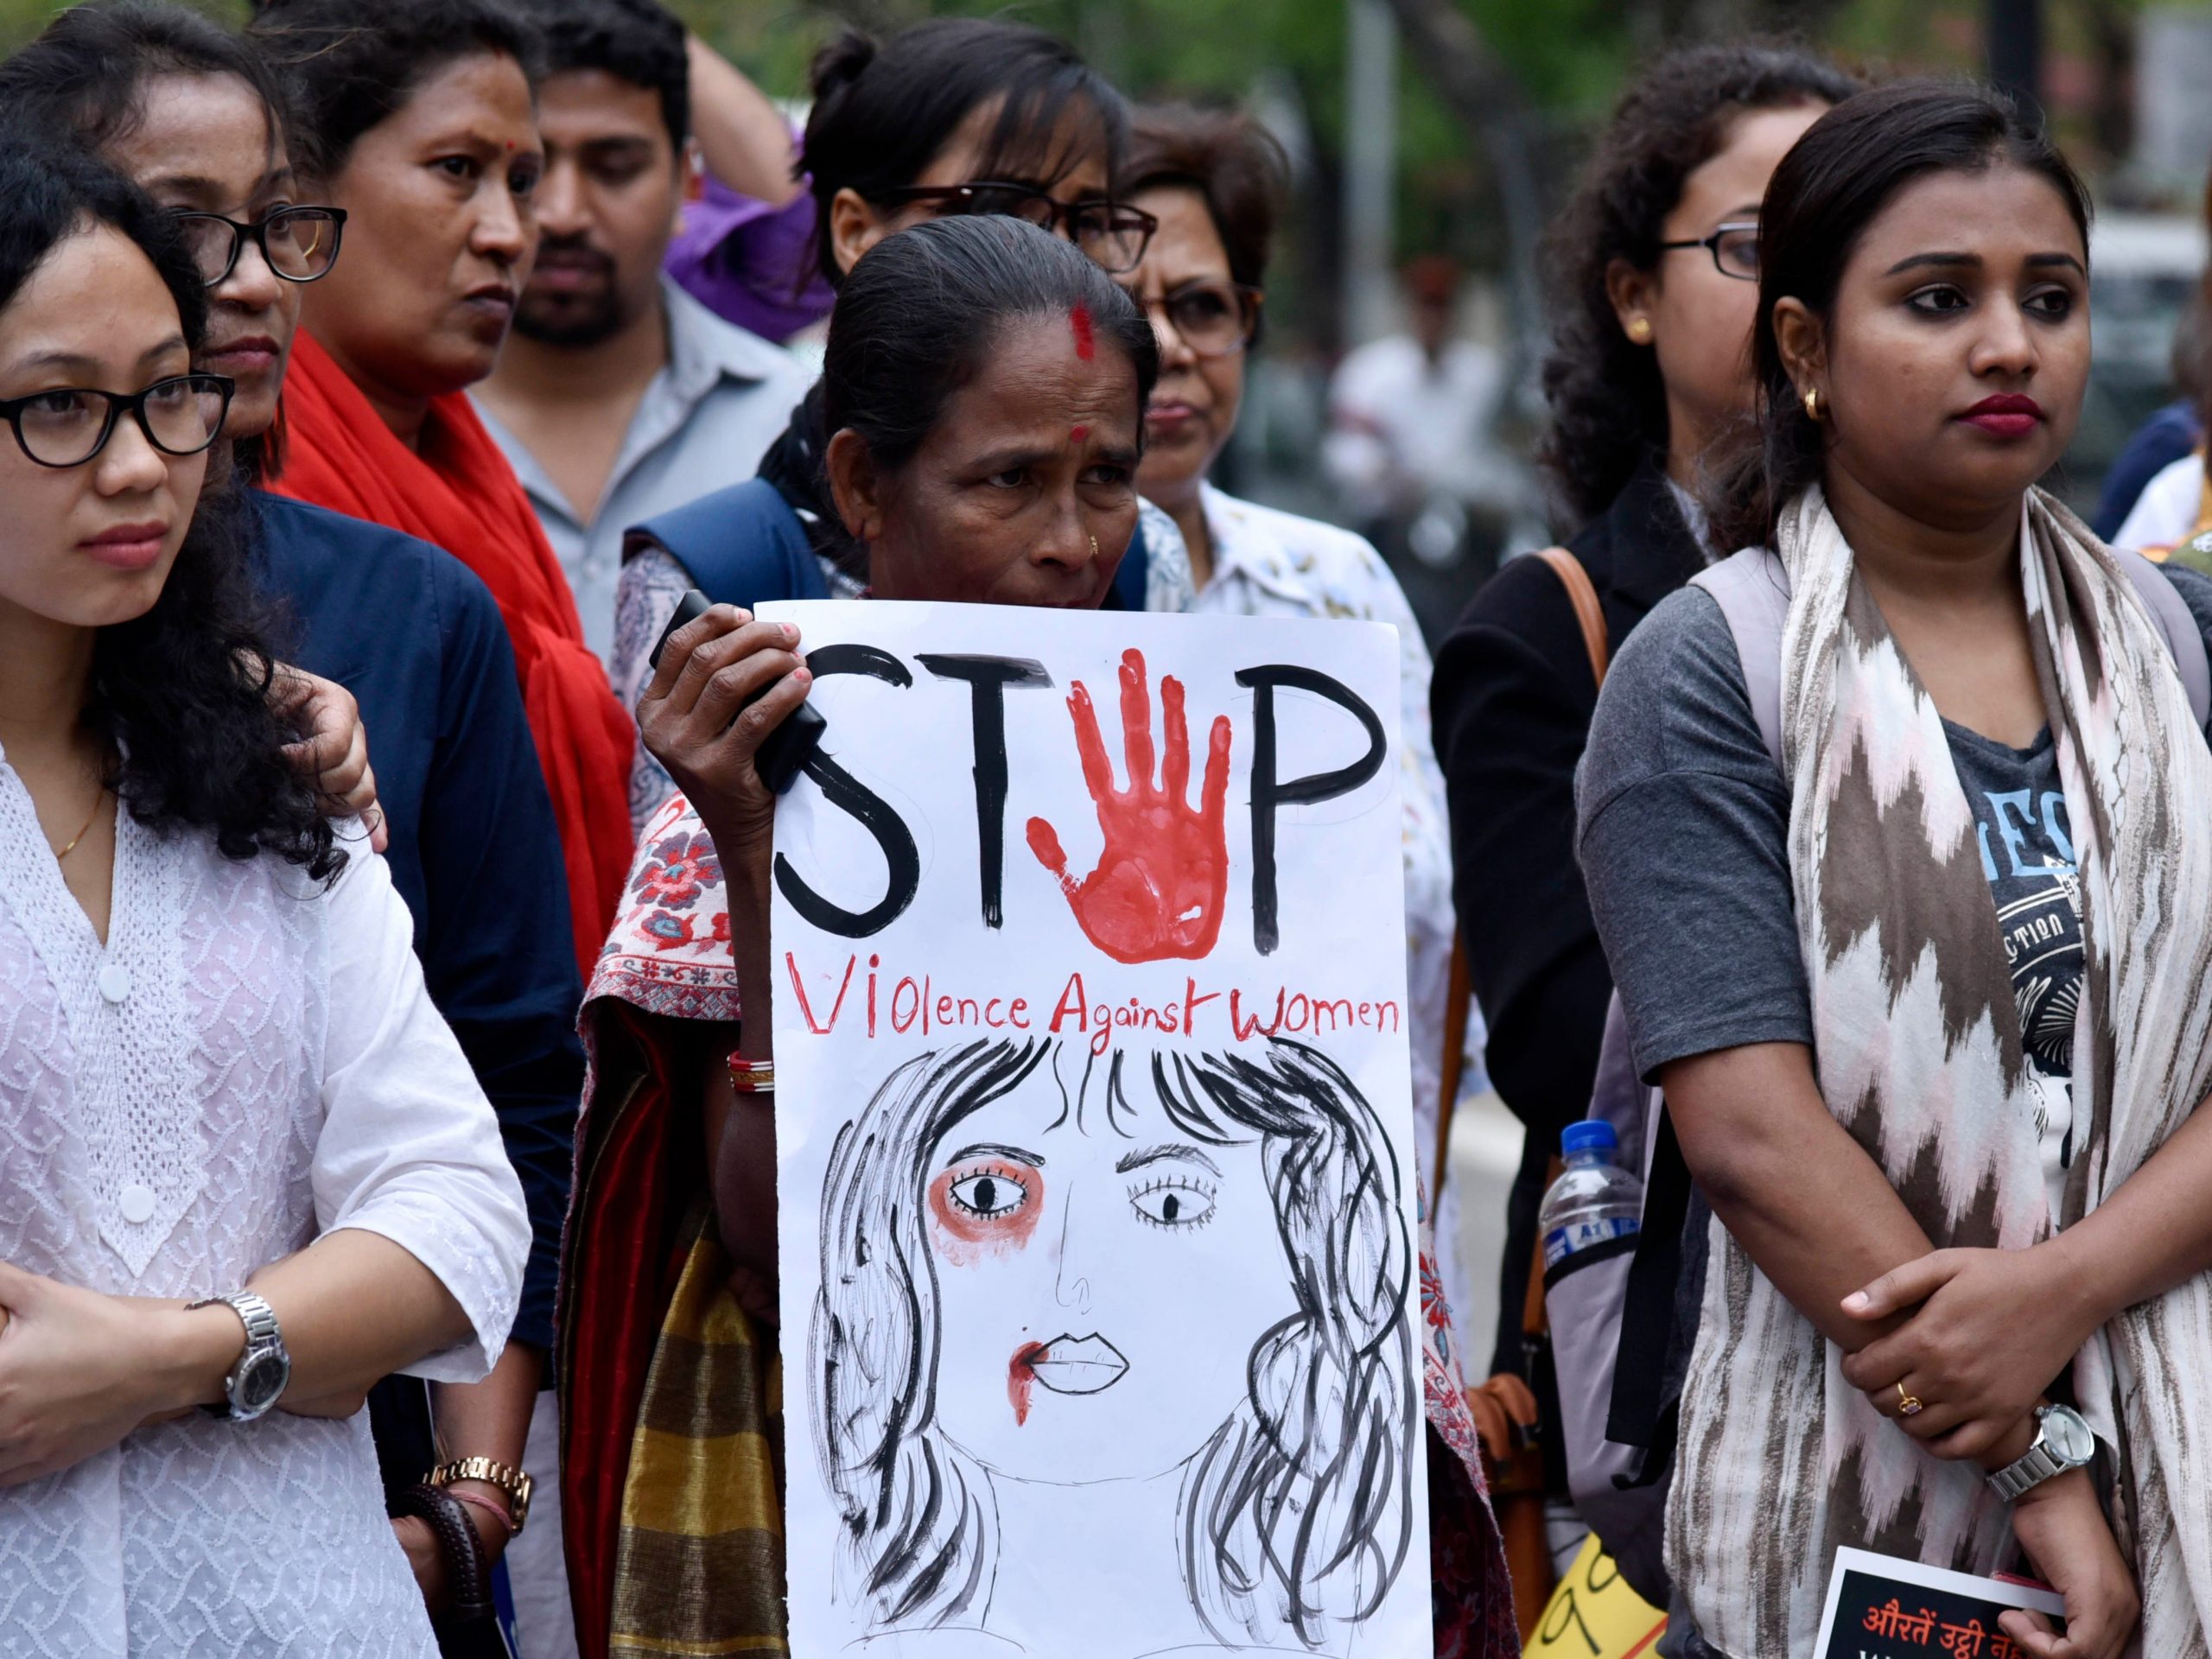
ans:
(248, 1063)
(1272, 563)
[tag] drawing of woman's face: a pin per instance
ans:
(1102, 1280)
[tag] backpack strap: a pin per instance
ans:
(1753, 592)
(742, 545)
(2178, 624)
(1589, 614)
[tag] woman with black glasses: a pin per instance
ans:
(1653, 278)
(955, 116)
(197, 120)
(245, 1170)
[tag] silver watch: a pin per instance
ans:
(263, 1370)
(2065, 1442)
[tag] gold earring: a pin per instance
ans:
(1813, 403)
(1639, 330)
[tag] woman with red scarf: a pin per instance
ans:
(426, 135)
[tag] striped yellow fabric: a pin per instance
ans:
(700, 1569)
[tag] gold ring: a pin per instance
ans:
(1908, 1405)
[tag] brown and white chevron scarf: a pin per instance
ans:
(1919, 1054)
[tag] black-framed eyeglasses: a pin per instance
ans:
(1734, 248)
(1215, 317)
(1112, 233)
(299, 244)
(68, 425)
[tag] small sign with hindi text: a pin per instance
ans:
(1881, 1607)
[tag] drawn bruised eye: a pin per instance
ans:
(991, 1194)
(1173, 1203)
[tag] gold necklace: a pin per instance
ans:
(99, 800)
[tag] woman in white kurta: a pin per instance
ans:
(1212, 180)
(219, 1070)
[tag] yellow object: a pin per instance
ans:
(1595, 1615)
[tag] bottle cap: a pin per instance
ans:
(1591, 1134)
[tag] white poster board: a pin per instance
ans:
(1100, 1280)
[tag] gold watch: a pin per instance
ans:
(511, 1481)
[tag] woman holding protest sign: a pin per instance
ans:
(985, 387)
(1895, 834)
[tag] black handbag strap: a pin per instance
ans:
(1648, 1316)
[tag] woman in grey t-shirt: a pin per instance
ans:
(1927, 1003)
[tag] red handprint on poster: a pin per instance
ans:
(1163, 874)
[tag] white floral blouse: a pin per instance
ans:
(247, 1062)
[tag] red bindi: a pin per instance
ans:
(1077, 434)
(1079, 323)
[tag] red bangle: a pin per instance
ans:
(752, 1077)
(478, 1501)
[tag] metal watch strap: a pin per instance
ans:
(262, 1332)
(2033, 1467)
(511, 1481)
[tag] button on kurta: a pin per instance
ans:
(136, 1203)
(115, 982)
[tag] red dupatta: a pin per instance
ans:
(459, 492)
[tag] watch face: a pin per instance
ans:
(260, 1383)
(2069, 1436)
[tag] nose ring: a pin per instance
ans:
(1094, 547)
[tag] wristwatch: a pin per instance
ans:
(513, 1482)
(2065, 1442)
(263, 1370)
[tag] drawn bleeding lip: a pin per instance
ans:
(1066, 1365)
(1069, 1364)
(2008, 414)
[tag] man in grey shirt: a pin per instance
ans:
(619, 396)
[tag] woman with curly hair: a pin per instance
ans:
(243, 1163)
(1655, 264)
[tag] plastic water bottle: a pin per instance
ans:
(1594, 1201)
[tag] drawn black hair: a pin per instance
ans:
(1835, 181)
(1296, 1514)
(350, 70)
(1608, 403)
(883, 111)
(923, 310)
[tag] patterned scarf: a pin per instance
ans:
(1920, 1058)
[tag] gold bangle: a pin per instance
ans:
(511, 1481)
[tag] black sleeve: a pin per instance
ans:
(1684, 843)
(499, 958)
(1510, 702)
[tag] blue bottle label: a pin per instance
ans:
(1563, 1242)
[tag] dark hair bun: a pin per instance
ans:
(840, 63)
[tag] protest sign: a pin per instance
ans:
(1881, 1607)
(1100, 1285)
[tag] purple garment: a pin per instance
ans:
(743, 260)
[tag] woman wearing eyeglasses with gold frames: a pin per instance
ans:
(1212, 182)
